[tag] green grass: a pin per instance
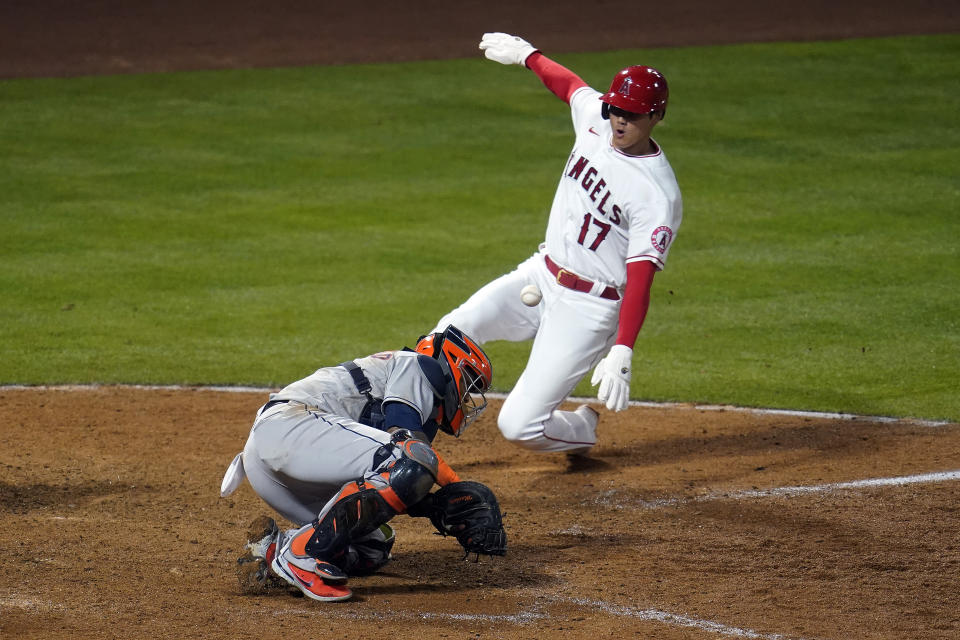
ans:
(245, 227)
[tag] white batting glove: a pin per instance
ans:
(613, 375)
(505, 48)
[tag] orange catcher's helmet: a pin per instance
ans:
(637, 89)
(468, 374)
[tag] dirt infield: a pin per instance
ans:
(112, 528)
(685, 523)
(64, 38)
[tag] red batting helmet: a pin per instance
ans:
(637, 89)
(468, 372)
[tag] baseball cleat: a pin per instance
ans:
(588, 412)
(253, 567)
(309, 582)
(592, 416)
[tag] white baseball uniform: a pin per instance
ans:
(308, 440)
(610, 208)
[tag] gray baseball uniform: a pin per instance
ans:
(311, 437)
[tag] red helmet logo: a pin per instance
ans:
(637, 89)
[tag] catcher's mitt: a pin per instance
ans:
(469, 511)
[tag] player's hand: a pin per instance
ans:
(613, 375)
(505, 48)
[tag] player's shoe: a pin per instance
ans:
(588, 412)
(253, 567)
(592, 416)
(317, 580)
(309, 582)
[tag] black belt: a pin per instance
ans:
(570, 280)
(271, 403)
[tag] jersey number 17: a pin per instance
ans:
(585, 228)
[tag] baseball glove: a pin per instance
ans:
(468, 511)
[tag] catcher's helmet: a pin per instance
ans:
(637, 89)
(468, 374)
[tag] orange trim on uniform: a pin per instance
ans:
(445, 473)
(347, 490)
(392, 499)
(298, 546)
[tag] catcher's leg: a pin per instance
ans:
(307, 558)
(313, 557)
(368, 554)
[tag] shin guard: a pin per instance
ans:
(357, 510)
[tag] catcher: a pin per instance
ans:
(344, 450)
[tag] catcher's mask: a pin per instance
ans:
(638, 89)
(468, 373)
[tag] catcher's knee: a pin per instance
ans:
(411, 476)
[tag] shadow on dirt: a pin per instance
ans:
(826, 438)
(423, 572)
(586, 464)
(25, 498)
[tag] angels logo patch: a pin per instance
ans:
(661, 238)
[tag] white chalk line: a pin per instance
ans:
(607, 498)
(535, 614)
(524, 617)
(521, 618)
(781, 412)
(500, 396)
(17, 601)
(679, 620)
(940, 476)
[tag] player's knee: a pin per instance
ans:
(513, 427)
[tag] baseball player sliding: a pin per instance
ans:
(344, 450)
(614, 217)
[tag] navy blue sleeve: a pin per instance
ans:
(398, 414)
(429, 429)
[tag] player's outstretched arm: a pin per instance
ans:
(507, 49)
(554, 76)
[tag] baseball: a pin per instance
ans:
(530, 295)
